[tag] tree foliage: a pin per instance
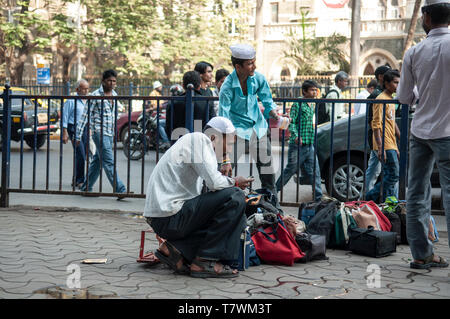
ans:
(161, 38)
(313, 55)
(25, 30)
(156, 38)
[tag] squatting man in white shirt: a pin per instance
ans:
(200, 229)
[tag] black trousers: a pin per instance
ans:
(208, 226)
(80, 152)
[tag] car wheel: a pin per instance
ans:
(124, 133)
(339, 179)
(40, 140)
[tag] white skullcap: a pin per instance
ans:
(156, 84)
(222, 125)
(430, 2)
(243, 51)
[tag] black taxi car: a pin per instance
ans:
(44, 122)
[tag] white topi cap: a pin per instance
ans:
(156, 84)
(243, 51)
(430, 2)
(221, 124)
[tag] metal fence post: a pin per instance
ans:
(404, 135)
(189, 109)
(131, 89)
(6, 143)
(67, 88)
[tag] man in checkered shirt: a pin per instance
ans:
(102, 115)
(301, 142)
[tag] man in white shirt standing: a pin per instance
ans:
(427, 65)
(72, 112)
(335, 92)
(360, 108)
(200, 229)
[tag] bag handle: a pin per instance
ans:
(274, 232)
(368, 230)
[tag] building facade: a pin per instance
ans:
(384, 27)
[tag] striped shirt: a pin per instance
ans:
(96, 115)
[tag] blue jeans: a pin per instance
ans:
(372, 172)
(162, 131)
(390, 179)
(104, 151)
(306, 162)
(422, 155)
(80, 153)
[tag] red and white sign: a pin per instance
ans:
(335, 3)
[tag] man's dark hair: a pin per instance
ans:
(390, 75)
(309, 84)
(220, 74)
(381, 70)
(109, 73)
(235, 61)
(439, 13)
(372, 84)
(192, 77)
(201, 67)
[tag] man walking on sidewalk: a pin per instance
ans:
(72, 112)
(386, 145)
(103, 139)
(301, 147)
(427, 65)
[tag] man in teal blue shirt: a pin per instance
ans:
(238, 101)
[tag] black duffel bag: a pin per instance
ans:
(323, 221)
(371, 242)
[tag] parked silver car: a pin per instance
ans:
(340, 141)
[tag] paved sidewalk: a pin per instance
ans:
(38, 245)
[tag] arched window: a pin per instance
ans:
(369, 69)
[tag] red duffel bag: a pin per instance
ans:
(275, 245)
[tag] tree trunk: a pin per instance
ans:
(15, 64)
(259, 31)
(66, 61)
(355, 42)
(412, 27)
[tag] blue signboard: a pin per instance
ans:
(43, 76)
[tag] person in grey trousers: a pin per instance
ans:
(427, 65)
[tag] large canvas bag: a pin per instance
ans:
(275, 245)
(371, 242)
(364, 219)
(323, 221)
(344, 219)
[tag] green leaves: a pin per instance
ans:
(163, 38)
(313, 55)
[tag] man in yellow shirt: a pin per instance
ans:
(386, 145)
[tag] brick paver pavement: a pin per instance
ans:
(37, 246)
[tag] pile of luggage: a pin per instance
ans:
(361, 227)
(273, 238)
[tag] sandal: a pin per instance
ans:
(428, 263)
(209, 271)
(173, 259)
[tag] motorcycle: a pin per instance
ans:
(137, 143)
